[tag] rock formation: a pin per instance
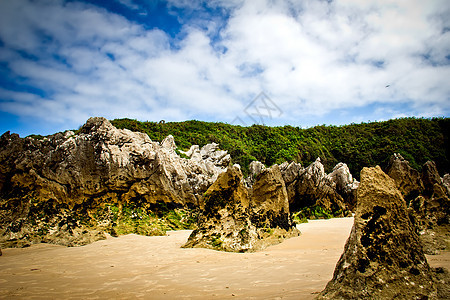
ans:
(98, 165)
(315, 188)
(432, 211)
(233, 220)
(428, 203)
(383, 257)
(407, 179)
(290, 172)
(345, 184)
(311, 186)
(446, 182)
(254, 169)
(270, 206)
(430, 177)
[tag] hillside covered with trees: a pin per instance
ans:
(358, 145)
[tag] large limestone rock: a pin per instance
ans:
(315, 188)
(233, 220)
(383, 257)
(407, 179)
(430, 177)
(97, 165)
(269, 201)
(432, 211)
(254, 169)
(224, 223)
(345, 184)
(290, 173)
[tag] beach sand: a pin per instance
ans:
(135, 266)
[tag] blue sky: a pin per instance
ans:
(315, 62)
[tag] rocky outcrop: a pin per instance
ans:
(270, 206)
(315, 188)
(254, 169)
(345, 184)
(432, 211)
(383, 257)
(290, 172)
(234, 220)
(430, 177)
(446, 182)
(99, 164)
(407, 179)
(427, 198)
(312, 187)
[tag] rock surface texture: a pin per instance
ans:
(383, 257)
(428, 199)
(99, 164)
(333, 192)
(312, 187)
(237, 220)
(407, 179)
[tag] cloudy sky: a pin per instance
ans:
(277, 62)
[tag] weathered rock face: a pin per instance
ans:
(428, 203)
(432, 211)
(269, 200)
(383, 257)
(254, 169)
(407, 179)
(446, 182)
(311, 186)
(99, 164)
(224, 223)
(314, 187)
(345, 184)
(430, 177)
(235, 221)
(290, 172)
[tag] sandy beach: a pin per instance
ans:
(135, 266)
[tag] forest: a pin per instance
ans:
(358, 145)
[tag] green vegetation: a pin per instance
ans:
(132, 218)
(358, 145)
(313, 213)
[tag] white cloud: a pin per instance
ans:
(311, 57)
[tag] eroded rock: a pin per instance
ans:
(235, 221)
(315, 188)
(345, 184)
(383, 257)
(224, 223)
(407, 179)
(99, 164)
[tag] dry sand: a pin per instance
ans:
(135, 266)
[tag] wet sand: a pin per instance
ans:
(135, 266)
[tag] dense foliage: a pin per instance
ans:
(358, 145)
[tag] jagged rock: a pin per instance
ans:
(431, 211)
(290, 173)
(430, 176)
(224, 223)
(169, 143)
(101, 164)
(345, 184)
(315, 188)
(234, 221)
(270, 205)
(383, 257)
(407, 179)
(254, 169)
(446, 182)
